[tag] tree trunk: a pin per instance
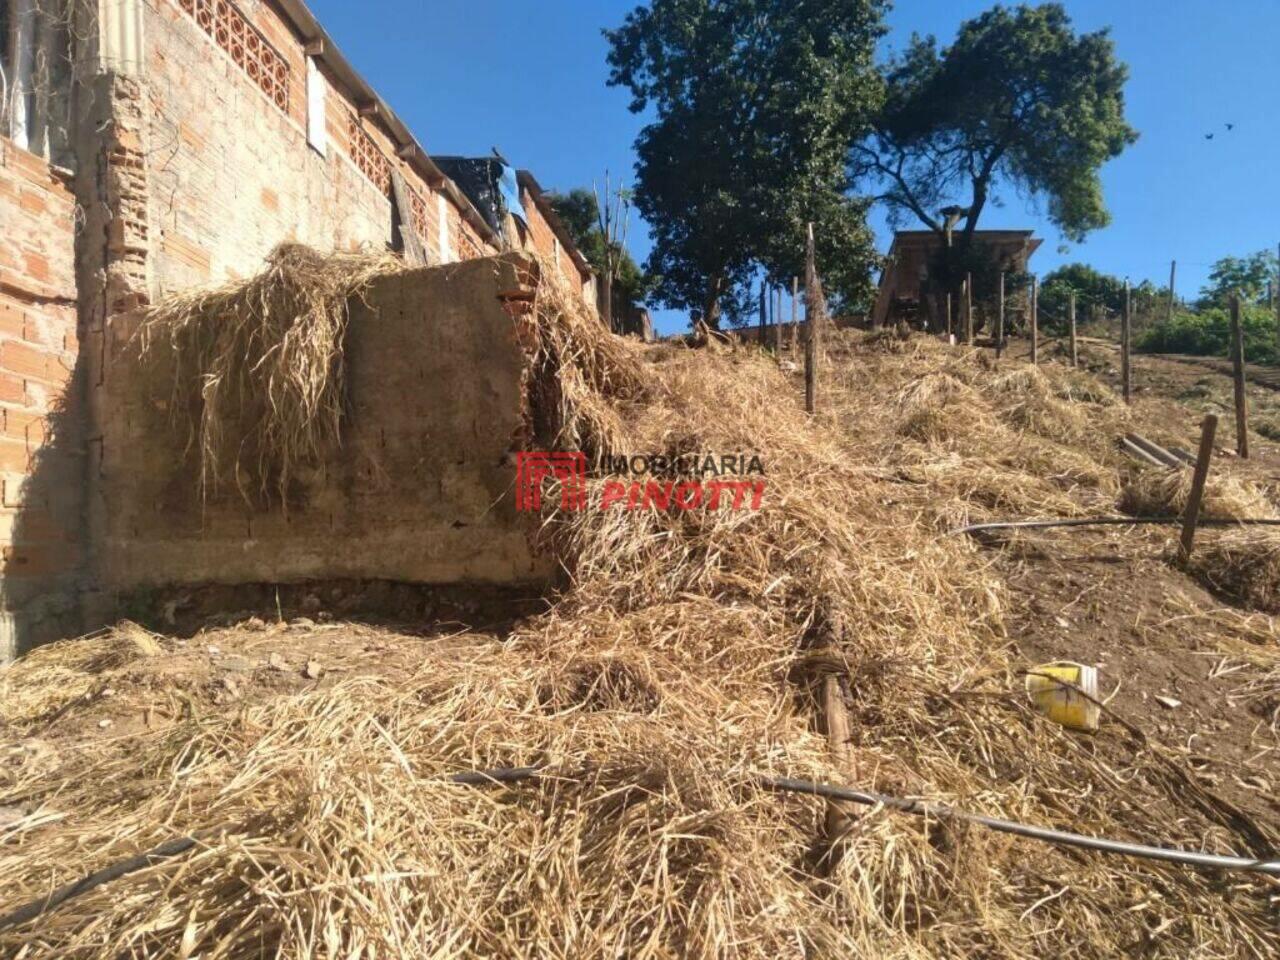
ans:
(711, 306)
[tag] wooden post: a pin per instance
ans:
(764, 311)
(795, 312)
(1278, 300)
(1071, 326)
(1237, 372)
(1000, 319)
(950, 337)
(1035, 320)
(1173, 273)
(838, 735)
(968, 309)
(1126, 372)
(811, 318)
(777, 322)
(1192, 515)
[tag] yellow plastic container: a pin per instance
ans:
(1063, 704)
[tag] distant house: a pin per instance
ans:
(906, 270)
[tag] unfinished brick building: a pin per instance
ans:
(147, 146)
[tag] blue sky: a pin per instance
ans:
(529, 78)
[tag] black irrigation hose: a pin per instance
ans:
(1113, 521)
(510, 775)
(922, 808)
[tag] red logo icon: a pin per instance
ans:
(533, 467)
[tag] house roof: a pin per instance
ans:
(527, 180)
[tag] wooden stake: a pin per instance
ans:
(811, 318)
(777, 322)
(1035, 320)
(838, 735)
(968, 309)
(795, 312)
(950, 337)
(1192, 515)
(1278, 299)
(1071, 324)
(1000, 319)
(1173, 273)
(1126, 373)
(1237, 372)
(764, 311)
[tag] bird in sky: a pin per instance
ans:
(1208, 136)
(1231, 126)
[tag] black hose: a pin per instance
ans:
(923, 808)
(1113, 521)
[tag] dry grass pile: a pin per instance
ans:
(678, 661)
(986, 440)
(1244, 566)
(256, 367)
(1164, 493)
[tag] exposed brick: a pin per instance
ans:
(27, 361)
(14, 457)
(12, 389)
(12, 319)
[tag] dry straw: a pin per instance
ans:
(257, 367)
(676, 662)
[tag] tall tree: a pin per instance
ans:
(755, 103)
(579, 211)
(1247, 276)
(1018, 99)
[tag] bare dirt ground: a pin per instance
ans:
(1114, 597)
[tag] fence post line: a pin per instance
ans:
(950, 337)
(1126, 325)
(1237, 373)
(1173, 273)
(1071, 320)
(1192, 515)
(1035, 320)
(1000, 319)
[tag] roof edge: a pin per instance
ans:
(527, 180)
(409, 149)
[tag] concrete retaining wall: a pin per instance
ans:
(422, 490)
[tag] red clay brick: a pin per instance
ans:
(13, 456)
(25, 361)
(12, 389)
(12, 319)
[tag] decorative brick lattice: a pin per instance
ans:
(232, 31)
(368, 158)
(418, 205)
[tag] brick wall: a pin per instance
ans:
(547, 242)
(40, 515)
(230, 171)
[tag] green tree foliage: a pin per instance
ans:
(1017, 99)
(1094, 290)
(579, 211)
(755, 103)
(1207, 332)
(1247, 276)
